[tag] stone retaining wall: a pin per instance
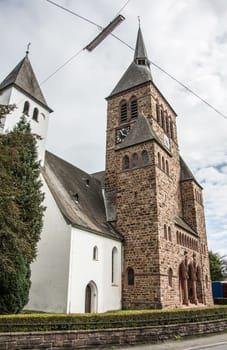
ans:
(108, 337)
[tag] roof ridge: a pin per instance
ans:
(23, 77)
(140, 132)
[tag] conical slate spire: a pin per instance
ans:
(139, 70)
(23, 77)
(140, 54)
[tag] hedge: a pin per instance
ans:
(220, 301)
(120, 319)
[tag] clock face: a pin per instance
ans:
(121, 133)
(166, 141)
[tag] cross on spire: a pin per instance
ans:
(139, 20)
(28, 47)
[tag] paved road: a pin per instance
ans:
(214, 342)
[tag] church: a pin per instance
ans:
(132, 236)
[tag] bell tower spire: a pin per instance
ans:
(140, 55)
(139, 70)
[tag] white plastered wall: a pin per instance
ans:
(14, 96)
(83, 270)
(50, 271)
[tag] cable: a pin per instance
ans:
(74, 13)
(190, 90)
(130, 47)
(176, 80)
(122, 8)
(60, 67)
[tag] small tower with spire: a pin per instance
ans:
(20, 87)
(143, 182)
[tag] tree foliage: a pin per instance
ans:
(218, 266)
(4, 110)
(21, 213)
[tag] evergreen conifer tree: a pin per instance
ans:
(21, 213)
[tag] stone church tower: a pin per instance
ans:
(152, 198)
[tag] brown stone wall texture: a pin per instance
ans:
(109, 337)
(148, 200)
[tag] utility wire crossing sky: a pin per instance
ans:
(153, 63)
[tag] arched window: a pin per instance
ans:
(167, 124)
(188, 242)
(35, 114)
(159, 160)
(162, 118)
(169, 234)
(123, 111)
(163, 164)
(165, 231)
(167, 167)
(170, 277)
(114, 265)
(26, 108)
(206, 281)
(135, 160)
(125, 162)
(145, 158)
(95, 253)
(180, 238)
(171, 130)
(158, 112)
(134, 108)
(131, 278)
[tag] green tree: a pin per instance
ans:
(21, 213)
(218, 266)
(5, 109)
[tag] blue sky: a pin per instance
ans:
(186, 38)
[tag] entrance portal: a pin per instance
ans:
(91, 297)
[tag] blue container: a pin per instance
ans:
(217, 289)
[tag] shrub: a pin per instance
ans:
(121, 319)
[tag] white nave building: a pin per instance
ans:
(78, 266)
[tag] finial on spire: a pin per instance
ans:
(27, 51)
(139, 20)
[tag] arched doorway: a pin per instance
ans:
(91, 297)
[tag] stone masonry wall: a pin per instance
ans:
(109, 337)
(149, 198)
(193, 212)
(137, 221)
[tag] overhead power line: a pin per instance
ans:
(123, 7)
(74, 13)
(61, 66)
(130, 47)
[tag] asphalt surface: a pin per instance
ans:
(209, 342)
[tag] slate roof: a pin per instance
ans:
(181, 223)
(23, 77)
(136, 74)
(140, 132)
(81, 197)
(100, 176)
(78, 196)
(186, 173)
(140, 50)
